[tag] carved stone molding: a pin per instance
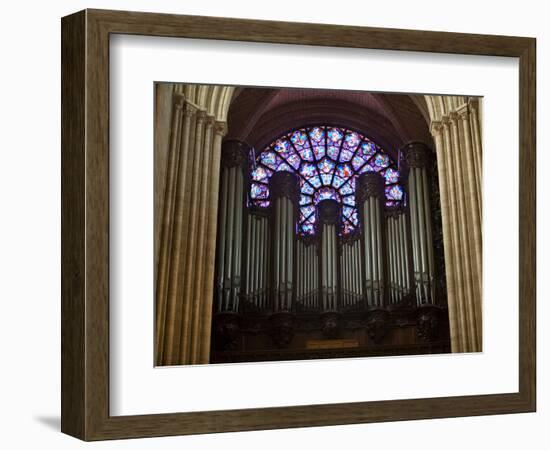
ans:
(284, 184)
(234, 153)
(417, 154)
(436, 127)
(281, 329)
(370, 184)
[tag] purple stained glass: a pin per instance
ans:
(394, 192)
(326, 178)
(326, 166)
(299, 139)
(305, 199)
(344, 171)
(381, 160)
(337, 181)
(391, 175)
(308, 170)
(306, 154)
(261, 174)
(317, 134)
(345, 155)
(306, 211)
(261, 203)
(325, 193)
(335, 135)
(269, 159)
(258, 190)
(315, 181)
(294, 160)
(324, 172)
(349, 200)
(347, 227)
(333, 151)
(307, 228)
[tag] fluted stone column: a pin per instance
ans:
(284, 189)
(370, 197)
(183, 298)
(417, 156)
(458, 144)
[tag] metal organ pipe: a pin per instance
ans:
(221, 244)
(429, 239)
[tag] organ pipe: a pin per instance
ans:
(417, 156)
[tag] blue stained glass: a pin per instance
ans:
(299, 138)
(305, 199)
(325, 193)
(333, 151)
(306, 154)
(315, 181)
(337, 181)
(367, 168)
(306, 211)
(261, 174)
(394, 192)
(349, 200)
(326, 165)
(358, 162)
(319, 151)
(381, 160)
(269, 158)
(351, 140)
(391, 175)
(345, 155)
(281, 146)
(317, 134)
(294, 160)
(368, 149)
(307, 228)
(344, 170)
(326, 178)
(347, 227)
(335, 135)
(331, 172)
(258, 190)
(308, 170)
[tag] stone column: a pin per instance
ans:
(183, 297)
(370, 197)
(417, 156)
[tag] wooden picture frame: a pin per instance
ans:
(85, 224)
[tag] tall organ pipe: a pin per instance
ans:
(418, 157)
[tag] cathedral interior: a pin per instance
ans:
(298, 224)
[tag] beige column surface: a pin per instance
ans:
(184, 288)
(457, 133)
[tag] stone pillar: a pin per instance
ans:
(417, 156)
(458, 145)
(370, 197)
(183, 298)
(284, 189)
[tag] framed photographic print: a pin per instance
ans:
(270, 225)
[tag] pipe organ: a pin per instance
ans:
(421, 226)
(265, 265)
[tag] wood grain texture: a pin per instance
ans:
(85, 224)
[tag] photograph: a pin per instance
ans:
(303, 223)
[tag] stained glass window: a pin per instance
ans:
(328, 161)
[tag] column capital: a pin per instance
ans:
(220, 128)
(284, 184)
(417, 154)
(463, 112)
(234, 153)
(436, 127)
(370, 184)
